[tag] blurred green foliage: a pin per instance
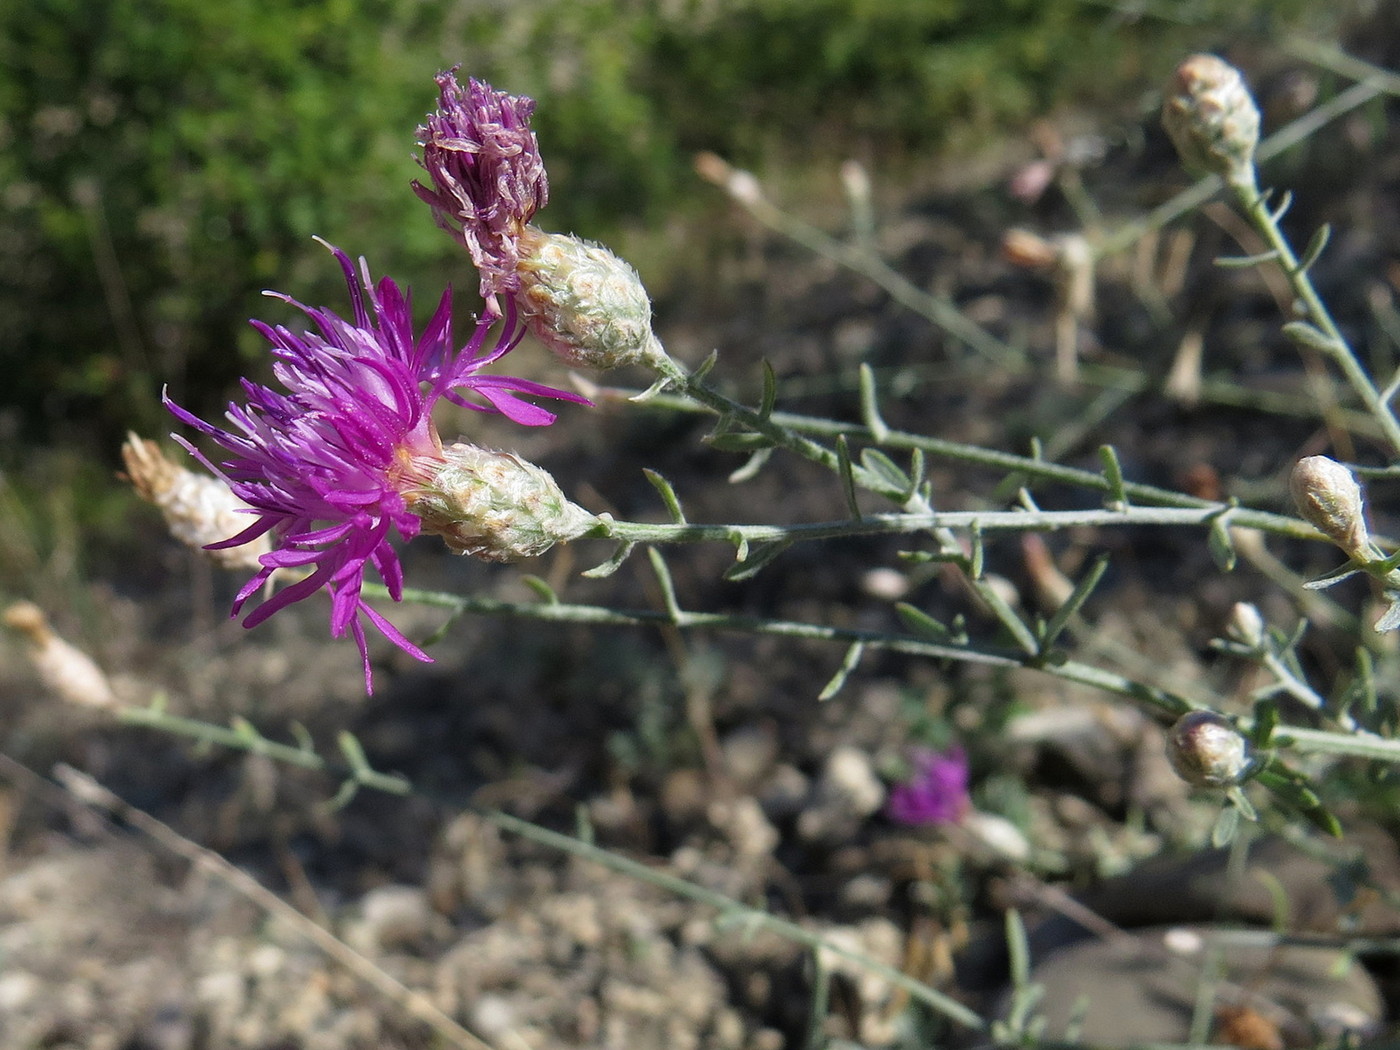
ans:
(162, 161)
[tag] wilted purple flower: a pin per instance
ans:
(330, 467)
(936, 793)
(487, 176)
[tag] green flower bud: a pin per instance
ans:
(583, 302)
(1329, 499)
(1206, 750)
(1212, 119)
(496, 506)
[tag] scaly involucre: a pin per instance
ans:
(329, 466)
(487, 176)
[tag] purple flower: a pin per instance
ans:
(936, 793)
(330, 466)
(487, 176)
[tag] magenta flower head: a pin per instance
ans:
(331, 467)
(487, 176)
(936, 793)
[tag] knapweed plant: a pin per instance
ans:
(340, 461)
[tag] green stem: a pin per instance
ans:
(1313, 308)
(1029, 466)
(902, 524)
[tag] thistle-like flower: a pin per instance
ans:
(487, 176)
(580, 300)
(936, 793)
(332, 466)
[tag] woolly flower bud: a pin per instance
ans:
(1329, 499)
(63, 668)
(1246, 625)
(1212, 119)
(198, 509)
(583, 302)
(496, 506)
(1207, 751)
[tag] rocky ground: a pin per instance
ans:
(708, 757)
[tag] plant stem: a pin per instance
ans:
(1314, 309)
(901, 524)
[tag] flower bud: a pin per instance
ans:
(583, 302)
(1206, 750)
(64, 669)
(1246, 626)
(199, 509)
(1329, 499)
(496, 506)
(1212, 119)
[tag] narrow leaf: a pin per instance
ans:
(1243, 262)
(751, 468)
(870, 406)
(1113, 474)
(1082, 590)
(848, 477)
(1221, 544)
(667, 584)
(757, 560)
(885, 471)
(600, 572)
(1315, 248)
(1308, 335)
(542, 590)
(667, 494)
(770, 391)
(848, 664)
(734, 441)
(921, 623)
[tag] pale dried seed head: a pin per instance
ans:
(66, 671)
(198, 509)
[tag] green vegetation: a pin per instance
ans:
(164, 161)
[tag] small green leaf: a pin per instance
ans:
(1315, 248)
(667, 584)
(1227, 825)
(1265, 722)
(1113, 474)
(1310, 336)
(705, 367)
(1082, 590)
(735, 441)
(1221, 544)
(848, 664)
(885, 471)
(921, 623)
(667, 494)
(751, 468)
(603, 571)
(1244, 262)
(542, 590)
(770, 391)
(848, 477)
(870, 407)
(757, 560)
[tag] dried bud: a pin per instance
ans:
(583, 302)
(496, 506)
(1329, 499)
(1212, 119)
(1246, 625)
(1029, 251)
(1206, 750)
(199, 509)
(63, 668)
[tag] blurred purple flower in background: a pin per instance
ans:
(487, 176)
(936, 792)
(330, 467)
